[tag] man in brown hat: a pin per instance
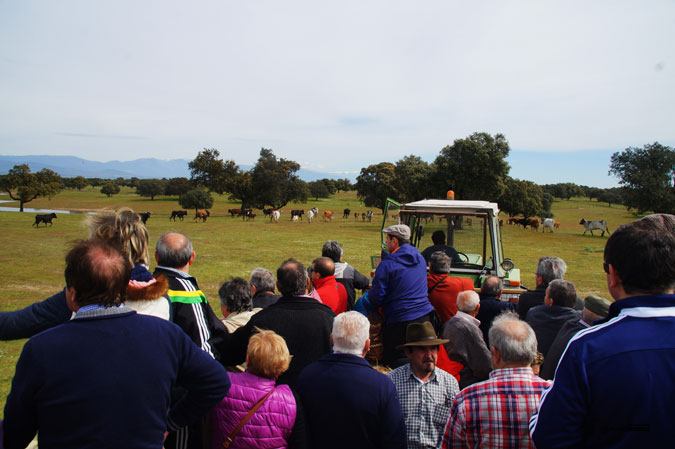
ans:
(425, 391)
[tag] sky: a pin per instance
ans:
(337, 86)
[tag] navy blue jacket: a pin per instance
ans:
(31, 320)
(104, 379)
(614, 384)
(400, 286)
(490, 307)
(348, 404)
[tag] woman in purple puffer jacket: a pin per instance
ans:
(279, 422)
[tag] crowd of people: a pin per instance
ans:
(126, 357)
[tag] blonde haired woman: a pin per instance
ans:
(123, 228)
(277, 422)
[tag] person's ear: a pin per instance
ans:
(156, 258)
(366, 347)
(254, 289)
(70, 299)
(192, 258)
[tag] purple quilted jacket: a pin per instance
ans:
(269, 427)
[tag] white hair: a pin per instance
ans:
(350, 332)
(467, 301)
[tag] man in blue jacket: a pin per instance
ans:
(614, 383)
(400, 288)
(104, 378)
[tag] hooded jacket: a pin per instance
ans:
(332, 294)
(400, 286)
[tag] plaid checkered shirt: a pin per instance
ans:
(426, 406)
(495, 413)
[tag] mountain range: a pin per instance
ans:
(146, 168)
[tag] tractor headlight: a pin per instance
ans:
(507, 265)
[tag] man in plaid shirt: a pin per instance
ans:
(425, 391)
(495, 413)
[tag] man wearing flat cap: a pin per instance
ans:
(595, 308)
(400, 288)
(425, 391)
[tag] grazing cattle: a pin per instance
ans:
(525, 222)
(310, 215)
(534, 224)
(267, 212)
(595, 225)
(513, 220)
(315, 210)
(178, 214)
(501, 223)
(234, 212)
(246, 214)
(469, 222)
(363, 216)
(297, 213)
(251, 217)
(328, 215)
(294, 218)
(202, 214)
(145, 216)
(556, 225)
(44, 218)
(548, 223)
(356, 216)
(275, 216)
(346, 213)
(369, 215)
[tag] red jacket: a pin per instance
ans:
(444, 296)
(332, 294)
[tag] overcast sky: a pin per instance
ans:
(337, 86)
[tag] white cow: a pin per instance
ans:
(547, 223)
(315, 210)
(596, 225)
(310, 215)
(275, 216)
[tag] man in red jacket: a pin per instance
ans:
(333, 294)
(443, 289)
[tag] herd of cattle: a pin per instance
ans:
(297, 214)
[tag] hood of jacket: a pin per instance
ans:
(407, 255)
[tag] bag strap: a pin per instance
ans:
(434, 286)
(242, 423)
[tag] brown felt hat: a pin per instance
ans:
(421, 334)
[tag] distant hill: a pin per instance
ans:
(71, 166)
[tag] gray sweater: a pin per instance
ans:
(467, 347)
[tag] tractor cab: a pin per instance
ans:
(470, 227)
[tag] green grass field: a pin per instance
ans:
(32, 259)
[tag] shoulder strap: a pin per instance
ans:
(242, 423)
(439, 281)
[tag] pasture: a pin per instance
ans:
(226, 246)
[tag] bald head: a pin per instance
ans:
(468, 301)
(174, 250)
(323, 266)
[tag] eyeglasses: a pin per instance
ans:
(605, 266)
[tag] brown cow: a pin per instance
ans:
(328, 215)
(234, 212)
(534, 224)
(202, 214)
(556, 225)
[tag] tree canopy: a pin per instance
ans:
(208, 170)
(24, 186)
(522, 197)
(110, 188)
(198, 198)
(150, 187)
(474, 167)
(177, 186)
(376, 183)
(647, 175)
(413, 179)
(275, 182)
